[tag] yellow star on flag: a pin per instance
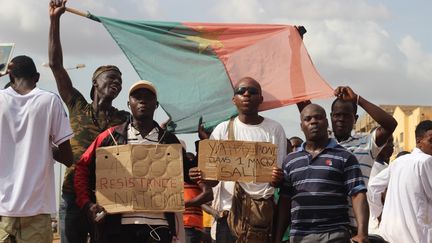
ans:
(207, 38)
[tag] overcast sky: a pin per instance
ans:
(382, 48)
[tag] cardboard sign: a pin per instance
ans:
(5, 56)
(144, 178)
(237, 160)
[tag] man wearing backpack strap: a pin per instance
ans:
(247, 208)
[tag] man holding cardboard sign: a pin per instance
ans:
(247, 207)
(141, 129)
(230, 160)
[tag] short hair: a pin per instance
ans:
(295, 137)
(251, 79)
(354, 104)
(320, 108)
(190, 155)
(422, 128)
(22, 67)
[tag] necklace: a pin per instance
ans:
(96, 120)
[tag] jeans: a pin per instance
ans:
(223, 232)
(140, 233)
(206, 235)
(73, 223)
(342, 236)
(193, 235)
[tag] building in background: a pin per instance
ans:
(407, 116)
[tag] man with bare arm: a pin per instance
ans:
(34, 129)
(87, 121)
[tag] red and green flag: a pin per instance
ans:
(196, 65)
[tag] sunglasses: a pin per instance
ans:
(250, 90)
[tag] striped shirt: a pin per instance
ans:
(365, 150)
(364, 147)
(318, 188)
(193, 215)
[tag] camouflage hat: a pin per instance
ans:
(98, 72)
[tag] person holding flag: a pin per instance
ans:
(87, 121)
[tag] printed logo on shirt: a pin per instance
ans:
(329, 162)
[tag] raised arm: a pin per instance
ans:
(386, 121)
(55, 53)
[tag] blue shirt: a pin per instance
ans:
(318, 188)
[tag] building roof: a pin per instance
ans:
(365, 122)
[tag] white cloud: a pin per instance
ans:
(418, 63)
(96, 7)
(354, 45)
(255, 11)
(239, 10)
(23, 14)
(150, 8)
(333, 9)
(344, 34)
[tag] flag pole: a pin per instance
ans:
(78, 12)
(82, 13)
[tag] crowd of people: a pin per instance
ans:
(334, 186)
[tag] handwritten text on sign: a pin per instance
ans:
(237, 160)
(147, 178)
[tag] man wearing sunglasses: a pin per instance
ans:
(234, 199)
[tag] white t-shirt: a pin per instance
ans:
(29, 124)
(365, 149)
(267, 131)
